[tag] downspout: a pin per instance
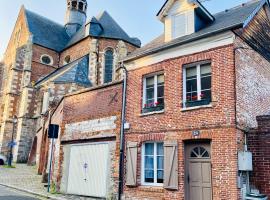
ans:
(122, 133)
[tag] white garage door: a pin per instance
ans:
(88, 170)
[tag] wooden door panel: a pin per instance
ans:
(206, 194)
(195, 193)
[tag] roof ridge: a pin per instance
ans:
(238, 6)
(41, 16)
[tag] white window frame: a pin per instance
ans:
(198, 67)
(155, 87)
(143, 183)
(51, 58)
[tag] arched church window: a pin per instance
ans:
(108, 66)
(74, 4)
(199, 152)
(81, 6)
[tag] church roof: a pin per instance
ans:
(109, 29)
(46, 32)
(74, 72)
(52, 35)
(224, 21)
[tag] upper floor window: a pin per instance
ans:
(46, 59)
(108, 72)
(197, 85)
(153, 164)
(179, 25)
(153, 93)
(67, 59)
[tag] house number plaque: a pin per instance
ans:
(196, 133)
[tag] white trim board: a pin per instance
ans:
(182, 50)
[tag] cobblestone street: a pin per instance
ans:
(25, 178)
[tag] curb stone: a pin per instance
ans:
(33, 193)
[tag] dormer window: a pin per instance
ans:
(183, 17)
(179, 25)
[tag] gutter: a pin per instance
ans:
(169, 46)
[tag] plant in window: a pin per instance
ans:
(197, 85)
(153, 93)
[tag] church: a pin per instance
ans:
(45, 60)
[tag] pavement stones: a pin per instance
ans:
(24, 178)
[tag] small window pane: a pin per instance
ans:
(160, 91)
(160, 162)
(160, 79)
(160, 149)
(46, 60)
(160, 176)
(206, 83)
(206, 94)
(205, 69)
(191, 72)
(149, 162)
(149, 149)
(149, 176)
(150, 82)
(192, 85)
(150, 93)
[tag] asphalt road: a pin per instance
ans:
(9, 194)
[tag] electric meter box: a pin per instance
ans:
(245, 161)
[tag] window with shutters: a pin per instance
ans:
(179, 25)
(153, 164)
(197, 85)
(108, 72)
(153, 93)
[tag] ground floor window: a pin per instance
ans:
(153, 163)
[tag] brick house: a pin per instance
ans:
(192, 95)
(44, 61)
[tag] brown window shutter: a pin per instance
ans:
(131, 173)
(171, 165)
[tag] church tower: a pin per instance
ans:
(75, 15)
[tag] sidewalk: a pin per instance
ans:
(25, 178)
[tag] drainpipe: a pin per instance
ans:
(122, 133)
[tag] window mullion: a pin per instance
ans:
(199, 81)
(144, 92)
(155, 163)
(155, 88)
(184, 87)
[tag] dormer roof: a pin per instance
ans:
(199, 8)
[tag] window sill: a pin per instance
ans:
(196, 108)
(147, 188)
(152, 113)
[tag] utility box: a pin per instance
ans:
(245, 161)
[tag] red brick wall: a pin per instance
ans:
(216, 123)
(86, 105)
(252, 85)
(38, 69)
(259, 145)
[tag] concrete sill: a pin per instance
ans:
(196, 108)
(152, 113)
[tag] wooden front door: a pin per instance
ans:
(198, 181)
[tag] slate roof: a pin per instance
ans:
(109, 29)
(52, 35)
(46, 32)
(226, 20)
(75, 72)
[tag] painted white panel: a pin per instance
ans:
(94, 125)
(88, 170)
(45, 104)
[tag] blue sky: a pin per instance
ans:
(137, 17)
